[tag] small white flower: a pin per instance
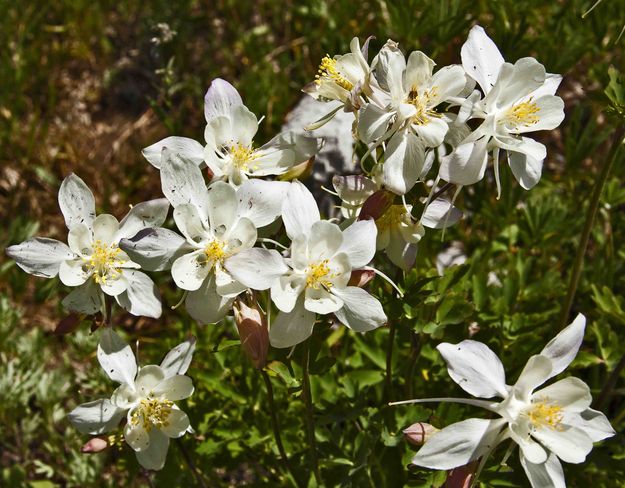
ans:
(230, 152)
(549, 423)
(93, 262)
(146, 397)
(314, 279)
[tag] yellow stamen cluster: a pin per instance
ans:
(215, 252)
(328, 72)
(152, 412)
(422, 103)
(317, 275)
(104, 262)
(523, 113)
(242, 156)
(545, 414)
(394, 216)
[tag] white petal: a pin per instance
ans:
(72, 273)
(226, 285)
(459, 444)
(524, 145)
(155, 455)
(80, 239)
(544, 475)
(137, 437)
(361, 311)
(105, 227)
(481, 59)
(177, 360)
(187, 148)
(206, 305)
(155, 249)
(450, 81)
(320, 301)
(520, 433)
(526, 75)
(563, 348)
(404, 160)
(550, 115)
(325, 240)
(84, 299)
(142, 297)
(526, 170)
(222, 206)
(174, 388)
(418, 71)
(190, 270)
(177, 424)
(244, 125)
(241, 236)
(353, 189)
(299, 210)
(359, 242)
(145, 214)
(286, 290)
(475, 368)
(271, 161)
(220, 98)
(256, 268)
(289, 329)
(373, 122)
(432, 133)
(570, 444)
(116, 357)
(594, 423)
(96, 417)
(114, 286)
(76, 202)
(191, 224)
(572, 394)
(440, 214)
(466, 164)
(535, 373)
(148, 378)
(261, 201)
(40, 256)
(182, 182)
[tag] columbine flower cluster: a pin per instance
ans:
(417, 123)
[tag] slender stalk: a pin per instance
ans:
(199, 479)
(415, 351)
(310, 420)
(578, 263)
(389, 361)
(607, 389)
(148, 477)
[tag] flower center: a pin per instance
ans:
(152, 412)
(422, 102)
(328, 72)
(242, 156)
(104, 262)
(317, 275)
(391, 218)
(215, 252)
(522, 114)
(545, 414)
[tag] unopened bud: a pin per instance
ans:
(360, 277)
(96, 444)
(418, 433)
(253, 331)
(376, 205)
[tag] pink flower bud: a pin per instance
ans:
(360, 277)
(95, 444)
(375, 206)
(461, 477)
(418, 433)
(253, 331)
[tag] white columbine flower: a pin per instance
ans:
(93, 262)
(216, 223)
(314, 278)
(230, 153)
(146, 398)
(551, 423)
(518, 99)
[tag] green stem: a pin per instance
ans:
(415, 350)
(389, 361)
(310, 420)
(607, 389)
(578, 263)
(199, 479)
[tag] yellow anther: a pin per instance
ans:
(328, 72)
(152, 412)
(545, 414)
(318, 274)
(215, 252)
(423, 103)
(104, 262)
(523, 113)
(395, 215)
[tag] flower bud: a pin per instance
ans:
(360, 277)
(375, 206)
(95, 444)
(418, 433)
(253, 331)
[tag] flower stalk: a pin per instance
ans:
(310, 420)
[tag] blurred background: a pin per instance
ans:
(85, 85)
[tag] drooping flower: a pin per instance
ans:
(518, 99)
(230, 152)
(93, 261)
(314, 278)
(145, 395)
(551, 423)
(215, 223)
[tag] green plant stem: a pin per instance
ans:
(310, 420)
(199, 479)
(389, 361)
(578, 263)
(415, 351)
(276, 426)
(607, 389)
